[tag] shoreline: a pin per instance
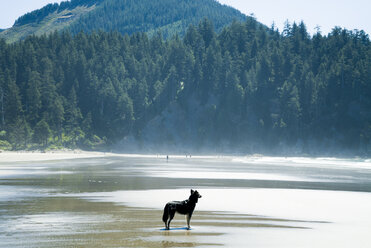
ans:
(24, 156)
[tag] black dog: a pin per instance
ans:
(182, 207)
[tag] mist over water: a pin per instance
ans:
(117, 201)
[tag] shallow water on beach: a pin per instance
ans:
(117, 201)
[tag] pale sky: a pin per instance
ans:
(350, 14)
(10, 10)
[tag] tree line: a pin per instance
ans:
(129, 16)
(256, 87)
(168, 16)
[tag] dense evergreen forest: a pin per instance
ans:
(246, 88)
(170, 17)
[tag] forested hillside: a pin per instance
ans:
(246, 88)
(124, 16)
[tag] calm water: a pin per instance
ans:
(117, 201)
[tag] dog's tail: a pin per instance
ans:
(166, 213)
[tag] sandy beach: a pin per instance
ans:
(23, 156)
(89, 199)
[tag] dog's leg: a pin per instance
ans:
(166, 227)
(167, 222)
(188, 216)
(165, 216)
(171, 216)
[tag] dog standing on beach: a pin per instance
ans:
(185, 207)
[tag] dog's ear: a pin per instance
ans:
(192, 191)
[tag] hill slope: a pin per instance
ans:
(124, 16)
(244, 89)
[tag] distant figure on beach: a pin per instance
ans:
(167, 157)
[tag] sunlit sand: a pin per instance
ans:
(27, 156)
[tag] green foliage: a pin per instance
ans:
(170, 17)
(5, 145)
(244, 85)
(19, 134)
(42, 133)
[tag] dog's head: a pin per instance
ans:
(195, 195)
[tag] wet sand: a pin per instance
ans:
(70, 222)
(117, 201)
